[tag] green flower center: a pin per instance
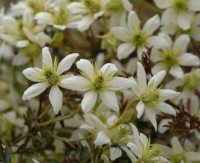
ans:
(31, 51)
(150, 97)
(180, 5)
(92, 5)
(36, 5)
(139, 39)
(61, 16)
(51, 77)
(178, 157)
(170, 58)
(98, 83)
(115, 6)
(191, 82)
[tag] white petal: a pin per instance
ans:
(166, 94)
(85, 66)
(158, 42)
(193, 156)
(151, 25)
(134, 149)
(157, 68)
(163, 3)
(157, 79)
(44, 18)
(115, 153)
(34, 90)
(124, 50)
(22, 43)
(121, 33)
(181, 43)
(89, 100)
(185, 20)
(20, 59)
(141, 76)
(102, 139)
(144, 140)
(169, 17)
(189, 59)
(133, 21)
(194, 5)
(127, 5)
(46, 57)
(151, 115)
(119, 83)
(136, 135)
(108, 69)
(76, 83)
(165, 108)
(129, 154)
(67, 62)
(33, 74)
(56, 99)
(140, 109)
(85, 23)
(29, 34)
(110, 100)
(163, 125)
(176, 72)
(176, 145)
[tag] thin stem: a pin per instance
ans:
(57, 119)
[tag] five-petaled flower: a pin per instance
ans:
(49, 76)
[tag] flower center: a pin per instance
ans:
(179, 157)
(150, 97)
(92, 5)
(61, 16)
(191, 82)
(170, 58)
(180, 5)
(51, 77)
(115, 6)
(139, 39)
(98, 83)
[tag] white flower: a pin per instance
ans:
(97, 84)
(150, 98)
(49, 76)
(174, 56)
(141, 149)
(178, 10)
(133, 37)
(89, 9)
(59, 18)
(178, 154)
(117, 9)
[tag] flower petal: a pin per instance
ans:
(151, 115)
(140, 109)
(124, 50)
(102, 139)
(141, 76)
(165, 108)
(67, 62)
(89, 100)
(193, 156)
(176, 71)
(189, 59)
(194, 5)
(127, 5)
(76, 83)
(151, 25)
(85, 66)
(119, 83)
(85, 23)
(181, 43)
(34, 90)
(115, 153)
(133, 21)
(56, 99)
(33, 74)
(176, 145)
(163, 3)
(108, 69)
(121, 33)
(158, 42)
(157, 79)
(185, 20)
(110, 100)
(167, 94)
(46, 57)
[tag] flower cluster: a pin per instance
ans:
(108, 81)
